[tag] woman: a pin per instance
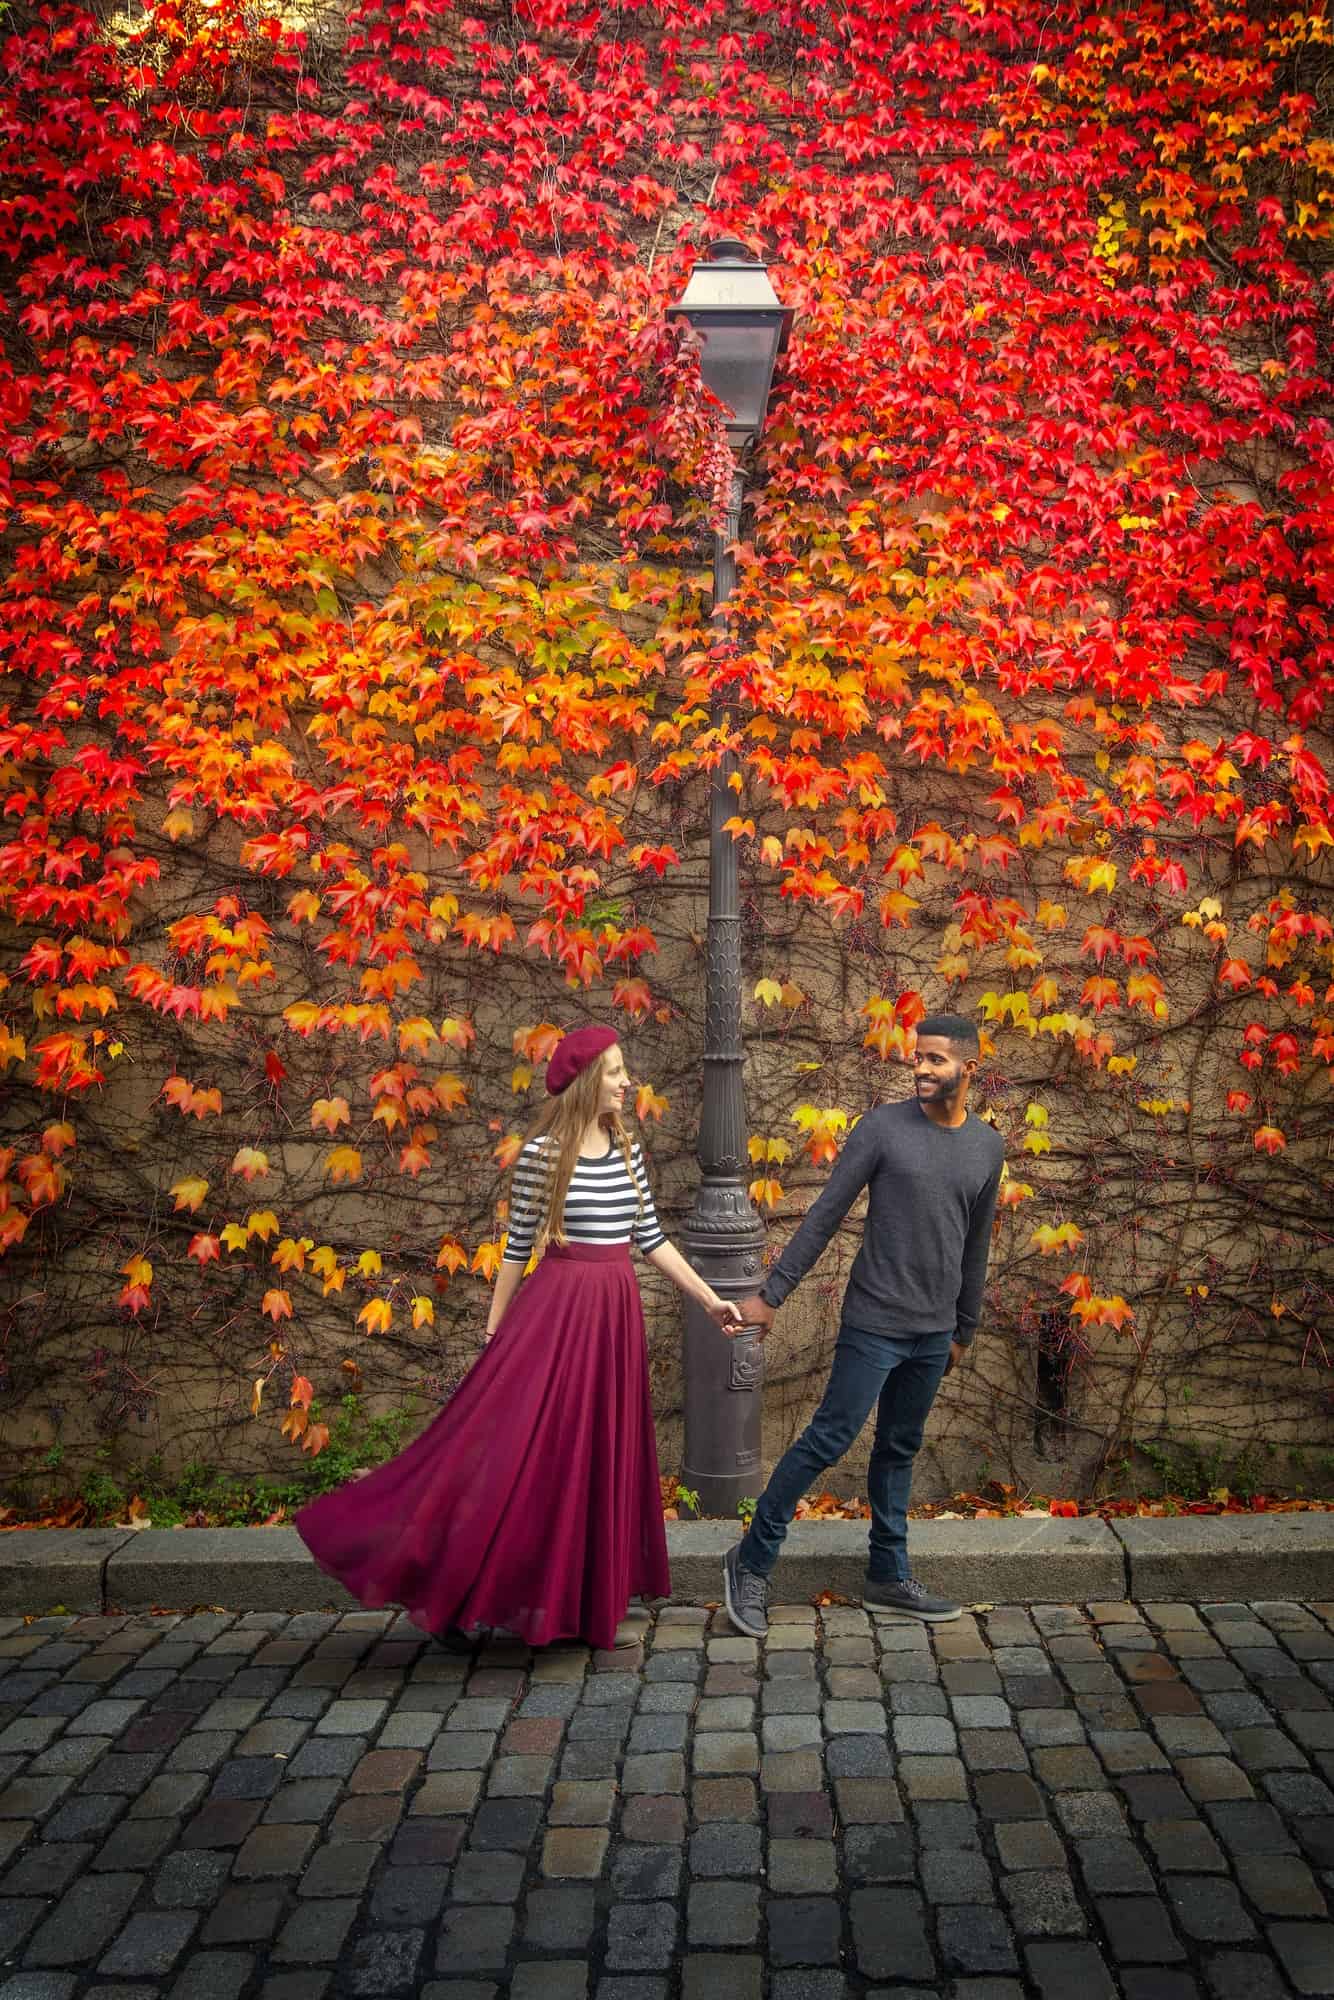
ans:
(532, 1500)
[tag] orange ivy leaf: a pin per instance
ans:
(451, 1256)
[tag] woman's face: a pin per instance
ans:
(613, 1083)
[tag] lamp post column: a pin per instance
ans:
(723, 1237)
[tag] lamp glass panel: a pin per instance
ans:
(737, 365)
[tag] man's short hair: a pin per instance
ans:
(961, 1034)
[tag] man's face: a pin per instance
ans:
(937, 1068)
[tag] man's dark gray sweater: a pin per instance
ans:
(931, 1197)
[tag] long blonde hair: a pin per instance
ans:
(563, 1122)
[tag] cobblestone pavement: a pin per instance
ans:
(1068, 1802)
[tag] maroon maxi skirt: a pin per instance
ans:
(532, 1500)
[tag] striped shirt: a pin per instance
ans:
(604, 1205)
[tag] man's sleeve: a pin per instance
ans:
(852, 1170)
(976, 1250)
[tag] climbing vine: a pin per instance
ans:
(360, 692)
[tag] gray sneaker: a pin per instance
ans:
(909, 1598)
(745, 1595)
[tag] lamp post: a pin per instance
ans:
(742, 329)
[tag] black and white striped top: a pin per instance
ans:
(604, 1205)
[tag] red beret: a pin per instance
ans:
(574, 1053)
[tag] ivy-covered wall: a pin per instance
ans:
(359, 693)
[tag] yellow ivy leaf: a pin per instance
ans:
(648, 1104)
(189, 1193)
(1065, 1236)
(290, 1254)
(486, 1259)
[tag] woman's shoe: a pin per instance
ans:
(455, 1640)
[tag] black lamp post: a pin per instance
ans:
(742, 329)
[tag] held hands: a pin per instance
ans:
(753, 1315)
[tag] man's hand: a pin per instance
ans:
(957, 1352)
(757, 1315)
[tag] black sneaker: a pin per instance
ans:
(909, 1598)
(745, 1595)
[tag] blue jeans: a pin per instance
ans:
(898, 1374)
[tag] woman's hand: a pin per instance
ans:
(508, 1279)
(724, 1314)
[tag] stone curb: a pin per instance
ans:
(1237, 1557)
(42, 1567)
(1014, 1561)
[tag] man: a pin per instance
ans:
(932, 1172)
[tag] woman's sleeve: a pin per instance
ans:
(648, 1231)
(525, 1190)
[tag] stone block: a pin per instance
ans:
(1238, 1556)
(258, 1569)
(52, 1568)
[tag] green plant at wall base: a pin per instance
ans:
(685, 1499)
(103, 1495)
(745, 1508)
(1187, 1471)
(357, 1442)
